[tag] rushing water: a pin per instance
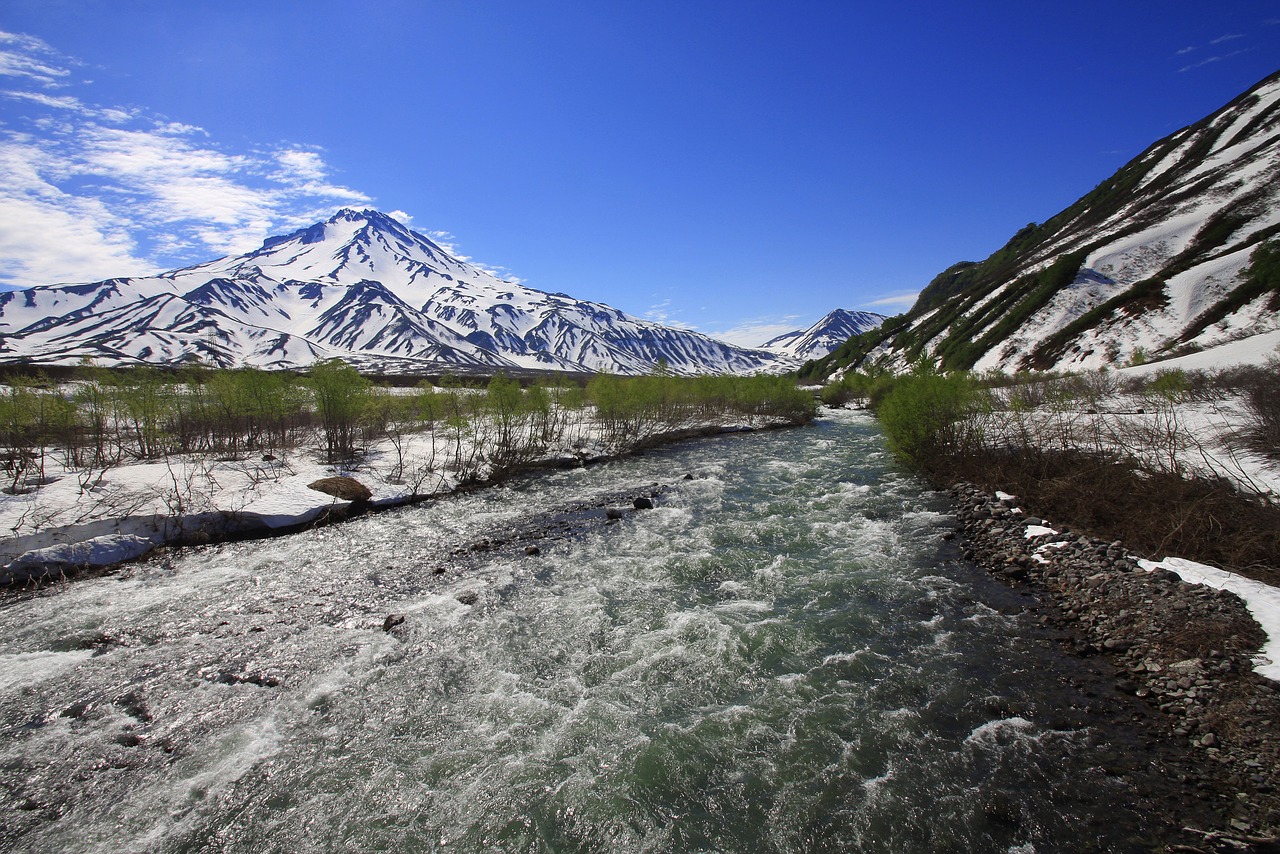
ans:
(782, 656)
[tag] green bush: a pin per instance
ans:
(341, 397)
(926, 416)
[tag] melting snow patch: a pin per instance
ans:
(1004, 496)
(99, 551)
(1039, 531)
(1262, 600)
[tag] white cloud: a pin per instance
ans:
(446, 241)
(1228, 37)
(754, 332)
(1212, 59)
(28, 57)
(400, 217)
(64, 102)
(305, 165)
(89, 192)
(903, 300)
(47, 235)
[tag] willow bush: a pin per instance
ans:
(928, 417)
(104, 418)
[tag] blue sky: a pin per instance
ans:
(736, 167)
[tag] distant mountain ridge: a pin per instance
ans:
(1178, 251)
(825, 335)
(360, 286)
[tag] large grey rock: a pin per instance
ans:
(342, 487)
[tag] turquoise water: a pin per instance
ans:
(783, 656)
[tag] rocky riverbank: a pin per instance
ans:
(59, 553)
(1174, 658)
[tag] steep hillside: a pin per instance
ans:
(1178, 251)
(360, 286)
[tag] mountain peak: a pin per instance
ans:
(824, 336)
(369, 215)
(361, 286)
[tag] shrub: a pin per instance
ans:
(927, 416)
(341, 396)
(1262, 397)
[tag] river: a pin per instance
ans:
(782, 656)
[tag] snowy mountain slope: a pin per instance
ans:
(826, 335)
(1178, 251)
(360, 286)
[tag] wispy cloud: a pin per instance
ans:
(1211, 59)
(446, 241)
(756, 331)
(1217, 57)
(903, 300)
(90, 191)
(28, 57)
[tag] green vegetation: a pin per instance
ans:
(105, 418)
(1113, 457)
(927, 417)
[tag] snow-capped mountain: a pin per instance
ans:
(1178, 251)
(360, 286)
(825, 335)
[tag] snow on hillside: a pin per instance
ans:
(1222, 176)
(1173, 254)
(360, 286)
(824, 336)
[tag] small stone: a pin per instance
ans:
(532, 550)
(643, 503)
(468, 597)
(613, 513)
(392, 621)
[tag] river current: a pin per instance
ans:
(782, 656)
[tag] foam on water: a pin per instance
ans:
(774, 659)
(25, 668)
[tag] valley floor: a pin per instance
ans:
(85, 518)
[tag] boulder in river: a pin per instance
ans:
(643, 503)
(342, 487)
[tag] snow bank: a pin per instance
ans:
(1262, 600)
(98, 551)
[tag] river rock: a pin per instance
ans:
(343, 488)
(643, 503)
(392, 621)
(613, 513)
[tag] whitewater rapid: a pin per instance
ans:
(783, 655)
